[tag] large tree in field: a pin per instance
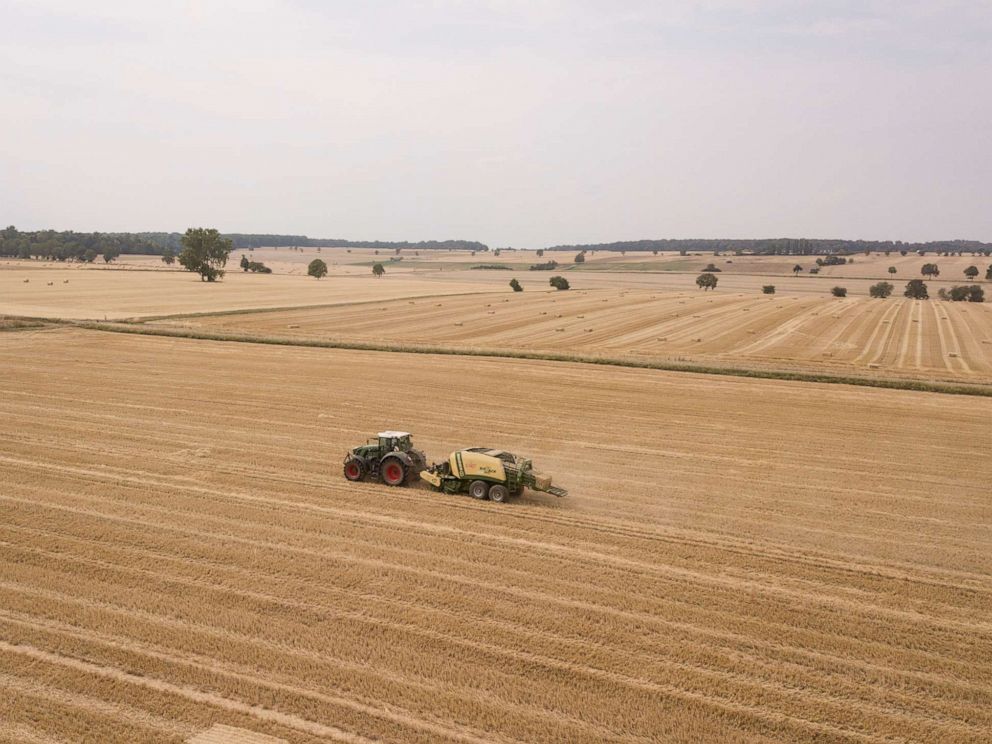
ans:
(378, 270)
(971, 272)
(916, 289)
(930, 269)
(205, 252)
(317, 268)
(706, 281)
(880, 290)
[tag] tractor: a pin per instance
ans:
(388, 457)
(482, 472)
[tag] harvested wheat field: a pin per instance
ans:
(737, 559)
(37, 289)
(893, 338)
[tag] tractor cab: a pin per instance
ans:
(393, 441)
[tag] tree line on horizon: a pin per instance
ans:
(782, 246)
(68, 245)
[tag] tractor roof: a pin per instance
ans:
(394, 434)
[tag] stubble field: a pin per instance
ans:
(45, 290)
(891, 338)
(737, 560)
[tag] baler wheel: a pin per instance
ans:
(392, 471)
(498, 493)
(478, 489)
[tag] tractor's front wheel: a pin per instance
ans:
(478, 489)
(392, 471)
(498, 493)
(354, 470)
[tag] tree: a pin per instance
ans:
(971, 272)
(580, 257)
(972, 293)
(988, 273)
(768, 289)
(880, 290)
(516, 285)
(168, 257)
(796, 269)
(558, 282)
(244, 262)
(317, 269)
(706, 281)
(916, 289)
(892, 270)
(378, 270)
(839, 291)
(89, 256)
(930, 269)
(110, 253)
(205, 252)
(711, 268)
(540, 252)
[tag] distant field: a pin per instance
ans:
(737, 559)
(36, 289)
(897, 336)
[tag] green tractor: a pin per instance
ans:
(388, 457)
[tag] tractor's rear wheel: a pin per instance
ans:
(392, 471)
(354, 470)
(498, 493)
(478, 489)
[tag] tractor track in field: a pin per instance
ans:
(731, 638)
(635, 617)
(72, 700)
(296, 722)
(218, 701)
(551, 550)
(624, 530)
(244, 673)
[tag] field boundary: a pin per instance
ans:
(976, 389)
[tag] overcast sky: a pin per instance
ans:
(514, 122)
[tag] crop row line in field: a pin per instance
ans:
(733, 639)
(238, 671)
(556, 550)
(552, 550)
(901, 571)
(943, 578)
(719, 702)
(79, 701)
(118, 675)
(977, 389)
(530, 595)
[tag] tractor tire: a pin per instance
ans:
(498, 493)
(392, 471)
(354, 470)
(478, 489)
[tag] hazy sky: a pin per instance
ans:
(514, 122)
